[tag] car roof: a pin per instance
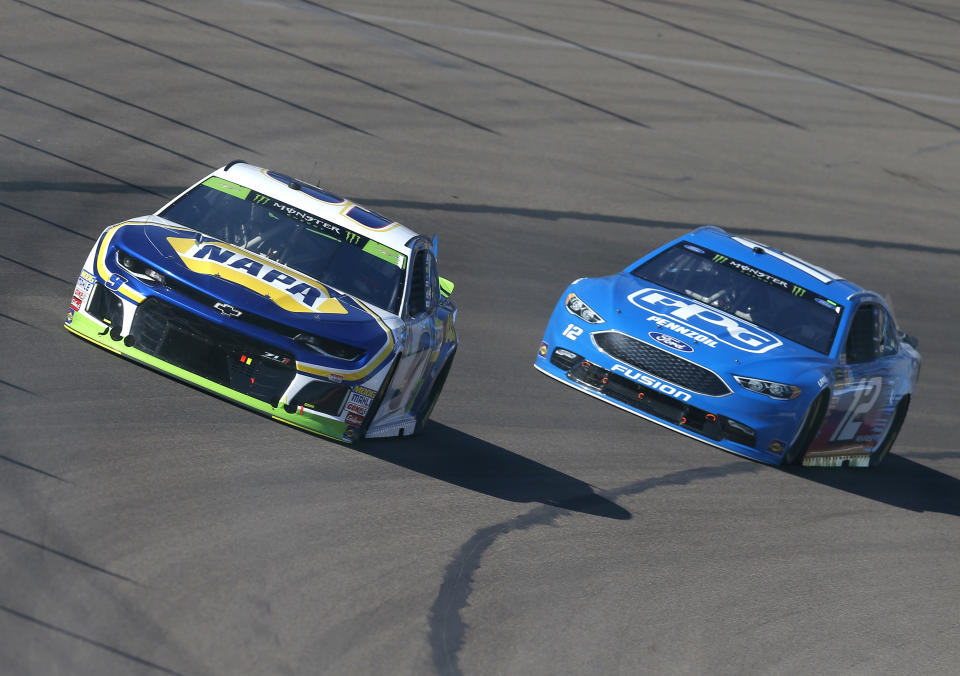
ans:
(320, 202)
(776, 262)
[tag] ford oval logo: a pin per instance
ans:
(671, 342)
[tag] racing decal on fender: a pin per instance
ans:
(670, 341)
(705, 320)
(353, 419)
(365, 391)
(651, 382)
(282, 285)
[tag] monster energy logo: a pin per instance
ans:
(720, 259)
(352, 238)
(261, 199)
(797, 291)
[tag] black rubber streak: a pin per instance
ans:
(923, 10)
(18, 321)
(89, 120)
(7, 458)
(88, 641)
(43, 220)
(123, 102)
(38, 271)
(861, 38)
(551, 215)
(186, 64)
(785, 64)
(479, 64)
(82, 166)
(618, 59)
(447, 626)
(324, 67)
(68, 557)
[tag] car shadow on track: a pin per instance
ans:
(464, 460)
(899, 482)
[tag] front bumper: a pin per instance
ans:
(227, 363)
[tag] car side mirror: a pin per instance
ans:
(446, 287)
(909, 340)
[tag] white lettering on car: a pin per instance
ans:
(701, 319)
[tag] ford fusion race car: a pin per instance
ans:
(280, 296)
(741, 346)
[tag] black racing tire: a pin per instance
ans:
(431, 399)
(880, 454)
(808, 430)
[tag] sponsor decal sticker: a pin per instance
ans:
(69, 319)
(87, 276)
(357, 408)
(365, 391)
(670, 341)
(75, 303)
(543, 349)
(353, 419)
(651, 382)
(335, 377)
(704, 320)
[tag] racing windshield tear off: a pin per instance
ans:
(329, 253)
(741, 290)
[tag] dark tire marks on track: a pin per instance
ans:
(786, 64)
(324, 67)
(447, 626)
(117, 99)
(627, 62)
(187, 64)
(480, 64)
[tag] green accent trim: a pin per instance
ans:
(90, 329)
(227, 187)
(385, 253)
(322, 234)
(446, 286)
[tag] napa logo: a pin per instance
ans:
(282, 285)
(705, 320)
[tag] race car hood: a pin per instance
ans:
(192, 262)
(689, 329)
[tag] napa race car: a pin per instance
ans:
(741, 346)
(280, 296)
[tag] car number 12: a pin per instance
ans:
(572, 331)
(865, 395)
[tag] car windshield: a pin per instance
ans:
(783, 307)
(329, 253)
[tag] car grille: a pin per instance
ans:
(207, 349)
(660, 363)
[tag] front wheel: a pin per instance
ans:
(880, 453)
(808, 430)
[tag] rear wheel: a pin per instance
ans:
(899, 416)
(431, 399)
(808, 430)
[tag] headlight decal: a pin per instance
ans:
(770, 388)
(577, 307)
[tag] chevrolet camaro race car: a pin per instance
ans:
(279, 296)
(741, 346)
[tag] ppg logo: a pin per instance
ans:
(706, 320)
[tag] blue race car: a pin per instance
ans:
(280, 296)
(741, 346)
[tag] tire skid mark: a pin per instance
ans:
(89, 641)
(7, 458)
(785, 64)
(861, 38)
(64, 555)
(447, 628)
(923, 10)
(39, 272)
(48, 222)
(324, 67)
(18, 321)
(117, 99)
(82, 166)
(476, 62)
(191, 66)
(138, 139)
(632, 64)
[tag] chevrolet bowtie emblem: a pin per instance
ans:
(227, 310)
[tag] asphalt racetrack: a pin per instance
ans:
(149, 528)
